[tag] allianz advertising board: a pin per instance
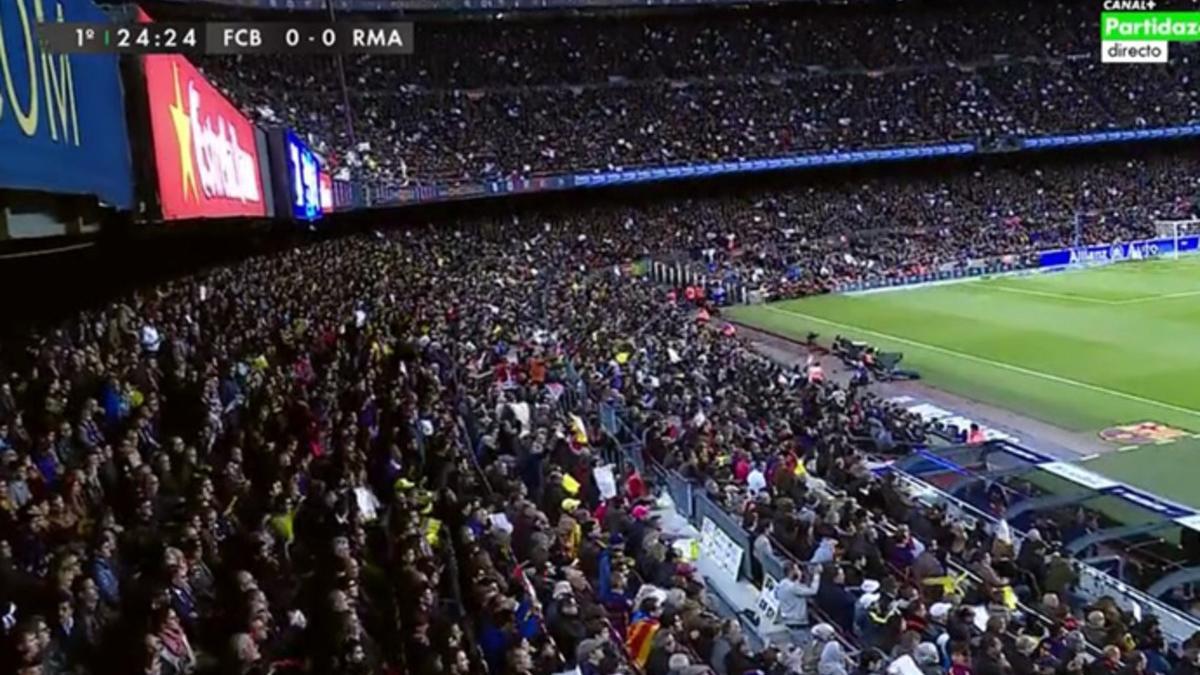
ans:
(62, 117)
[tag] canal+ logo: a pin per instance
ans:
(1116, 50)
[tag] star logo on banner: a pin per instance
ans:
(183, 137)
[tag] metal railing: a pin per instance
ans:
(1093, 583)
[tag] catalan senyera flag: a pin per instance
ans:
(640, 639)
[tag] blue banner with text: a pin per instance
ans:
(1106, 253)
(62, 117)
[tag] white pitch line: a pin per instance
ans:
(989, 362)
(1048, 294)
(1152, 298)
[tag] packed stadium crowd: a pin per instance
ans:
(821, 234)
(437, 448)
(376, 455)
(484, 100)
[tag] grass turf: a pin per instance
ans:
(1084, 349)
(1165, 470)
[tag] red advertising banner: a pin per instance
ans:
(204, 148)
(326, 182)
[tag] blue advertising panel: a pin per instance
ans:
(793, 162)
(62, 117)
(304, 171)
(1149, 502)
(1136, 250)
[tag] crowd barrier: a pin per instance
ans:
(678, 273)
(1144, 249)
(704, 508)
(721, 289)
(680, 490)
(1005, 265)
(721, 534)
(731, 290)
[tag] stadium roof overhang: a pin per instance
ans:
(956, 469)
(1156, 529)
(1081, 544)
(1032, 485)
(1174, 580)
(1180, 577)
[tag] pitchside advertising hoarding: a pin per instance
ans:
(1106, 253)
(205, 151)
(62, 117)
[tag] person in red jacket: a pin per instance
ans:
(635, 487)
(975, 435)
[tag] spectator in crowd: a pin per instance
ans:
(388, 452)
(503, 99)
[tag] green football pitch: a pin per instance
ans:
(1083, 350)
